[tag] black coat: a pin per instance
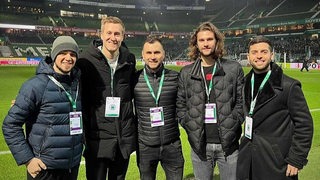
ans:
(282, 129)
(162, 135)
(104, 134)
(227, 88)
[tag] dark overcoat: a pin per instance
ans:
(282, 129)
(103, 135)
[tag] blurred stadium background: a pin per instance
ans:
(27, 28)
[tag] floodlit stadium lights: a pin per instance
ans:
(17, 26)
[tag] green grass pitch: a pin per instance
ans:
(11, 78)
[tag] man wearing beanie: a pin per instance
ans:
(49, 106)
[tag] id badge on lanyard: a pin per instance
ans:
(156, 116)
(248, 127)
(210, 108)
(75, 123)
(112, 107)
(211, 113)
(249, 120)
(75, 117)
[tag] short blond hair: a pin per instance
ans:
(111, 19)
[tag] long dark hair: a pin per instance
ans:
(206, 26)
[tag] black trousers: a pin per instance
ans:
(304, 67)
(169, 156)
(56, 174)
(99, 168)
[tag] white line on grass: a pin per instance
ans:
(4, 152)
(134, 153)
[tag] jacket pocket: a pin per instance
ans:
(44, 140)
(278, 155)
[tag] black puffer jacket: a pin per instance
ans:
(103, 134)
(227, 87)
(155, 136)
(44, 108)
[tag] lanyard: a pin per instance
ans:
(150, 88)
(205, 81)
(111, 69)
(253, 101)
(111, 76)
(73, 102)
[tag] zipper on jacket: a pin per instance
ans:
(155, 85)
(219, 131)
(72, 155)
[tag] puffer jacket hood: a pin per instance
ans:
(44, 109)
(45, 67)
(94, 52)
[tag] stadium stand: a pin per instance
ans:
(284, 18)
(293, 25)
(291, 7)
(5, 51)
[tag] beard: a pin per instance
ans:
(261, 69)
(210, 55)
(63, 71)
(207, 56)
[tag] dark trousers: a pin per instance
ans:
(170, 156)
(99, 168)
(56, 174)
(305, 66)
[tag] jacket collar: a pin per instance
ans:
(196, 69)
(158, 73)
(268, 91)
(125, 57)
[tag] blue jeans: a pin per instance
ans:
(204, 170)
(170, 156)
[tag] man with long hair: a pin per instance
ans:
(209, 104)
